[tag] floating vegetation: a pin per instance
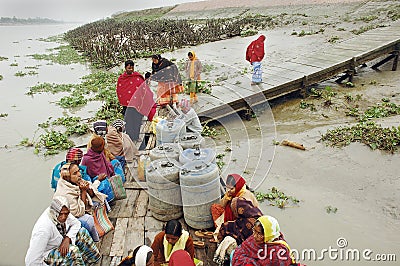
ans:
(277, 198)
(75, 100)
(2, 58)
(22, 74)
(333, 39)
(1, 77)
(306, 105)
(209, 132)
(73, 125)
(363, 29)
(25, 142)
(51, 88)
(367, 18)
(3, 115)
(330, 209)
(56, 38)
(14, 64)
(369, 133)
(65, 55)
(53, 142)
(32, 67)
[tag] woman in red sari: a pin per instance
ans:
(266, 247)
(255, 54)
(236, 187)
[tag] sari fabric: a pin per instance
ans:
(246, 215)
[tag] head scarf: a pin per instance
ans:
(239, 186)
(180, 258)
(74, 154)
(141, 255)
(191, 70)
(54, 211)
(271, 228)
(119, 123)
(98, 144)
(100, 127)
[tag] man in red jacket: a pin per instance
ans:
(255, 54)
(135, 98)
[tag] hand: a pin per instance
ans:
(83, 185)
(101, 177)
(64, 246)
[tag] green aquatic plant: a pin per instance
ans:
(14, 64)
(75, 100)
(209, 132)
(53, 142)
(330, 209)
(369, 133)
(2, 58)
(1, 77)
(51, 88)
(22, 74)
(64, 55)
(277, 198)
(25, 142)
(3, 115)
(73, 125)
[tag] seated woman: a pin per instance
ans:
(81, 196)
(120, 143)
(265, 247)
(236, 187)
(142, 256)
(245, 215)
(180, 258)
(171, 239)
(58, 239)
(95, 160)
(74, 155)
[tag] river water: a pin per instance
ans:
(25, 182)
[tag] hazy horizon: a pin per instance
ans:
(74, 10)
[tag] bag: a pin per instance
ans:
(117, 187)
(102, 224)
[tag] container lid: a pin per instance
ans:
(167, 149)
(171, 125)
(197, 168)
(206, 155)
(164, 165)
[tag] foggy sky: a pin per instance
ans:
(76, 10)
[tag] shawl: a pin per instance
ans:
(180, 258)
(73, 195)
(97, 163)
(114, 142)
(261, 255)
(240, 189)
(141, 255)
(166, 71)
(193, 68)
(130, 150)
(127, 86)
(180, 244)
(54, 211)
(241, 228)
(255, 50)
(143, 101)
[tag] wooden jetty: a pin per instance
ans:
(133, 221)
(296, 74)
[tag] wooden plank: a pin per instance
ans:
(136, 185)
(115, 261)
(141, 204)
(128, 204)
(118, 243)
(106, 260)
(134, 235)
(115, 208)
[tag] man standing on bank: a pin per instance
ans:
(255, 54)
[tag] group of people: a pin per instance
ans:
(65, 234)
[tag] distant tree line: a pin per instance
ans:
(109, 42)
(14, 20)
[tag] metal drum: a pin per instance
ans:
(165, 199)
(200, 189)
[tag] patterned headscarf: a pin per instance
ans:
(271, 228)
(54, 211)
(119, 123)
(74, 154)
(100, 127)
